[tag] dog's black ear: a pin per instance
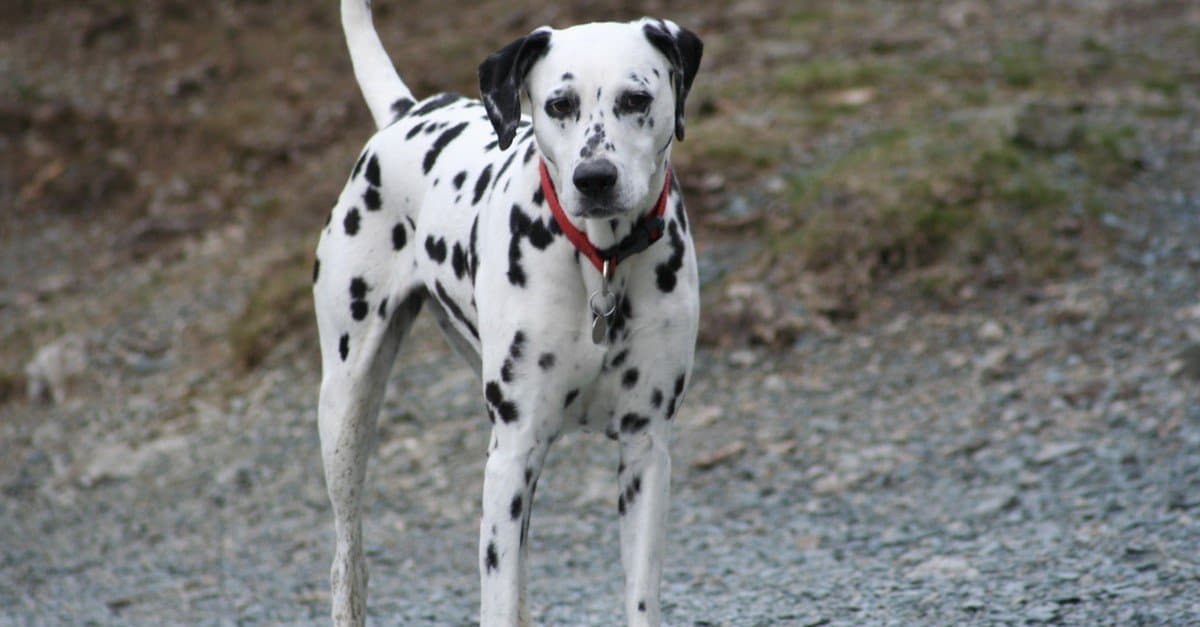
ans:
(501, 76)
(683, 49)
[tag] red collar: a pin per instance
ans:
(647, 230)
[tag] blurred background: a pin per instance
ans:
(1001, 185)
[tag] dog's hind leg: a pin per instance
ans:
(365, 303)
(351, 393)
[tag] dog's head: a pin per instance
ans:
(606, 101)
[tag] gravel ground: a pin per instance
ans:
(1033, 457)
(1029, 457)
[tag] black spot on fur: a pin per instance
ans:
(679, 383)
(621, 504)
(492, 561)
(540, 235)
(495, 398)
(371, 199)
(529, 152)
(358, 294)
(656, 398)
(440, 144)
(459, 179)
(492, 393)
(517, 348)
(458, 261)
(435, 103)
(373, 170)
(383, 308)
(514, 509)
(641, 606)
(399, 236)
(481, 183)
(515, 351)
(633, 423)
(491, 145)
(402, 106)
(344, 346)
(507, 162)
(412, 132)
(518, 225)
(546, 361)
(630, 378)
(473, 249)
(618, 359)
(449, 305)
(667, 270)
(632, 490)
(538, 196)
(358, 165)
(316, 269)
(350, 223)
(570, 398)
(436, 248)
(507, 411)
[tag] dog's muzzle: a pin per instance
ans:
(596, 180)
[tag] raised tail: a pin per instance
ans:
(386, 95)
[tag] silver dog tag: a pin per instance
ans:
(603, 304)
(599, 329)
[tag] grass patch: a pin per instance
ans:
(1022, 64)
(956, 194)
(826, 74)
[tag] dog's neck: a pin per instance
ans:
(604, 233)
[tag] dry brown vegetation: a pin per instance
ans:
(835, 151)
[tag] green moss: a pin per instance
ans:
(826, 74)
(1022, 63)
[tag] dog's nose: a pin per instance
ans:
(595, 179)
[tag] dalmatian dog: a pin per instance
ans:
(545, 229)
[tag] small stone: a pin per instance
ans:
(855, 97)
(994, 364)
(743, 358)
(943, 567)
(1043, 613)
(1055, 450)
(719, 456)
(54, 367)
(1001, 499)
(714, 181)
(991, 331)
(118, 461)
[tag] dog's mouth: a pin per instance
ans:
(592, 210)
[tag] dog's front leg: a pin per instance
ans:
(510, 480)
(524, 424)
(644, 478)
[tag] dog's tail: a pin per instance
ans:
(386, 95)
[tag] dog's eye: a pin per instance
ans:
(635, 102)
(560, 107)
